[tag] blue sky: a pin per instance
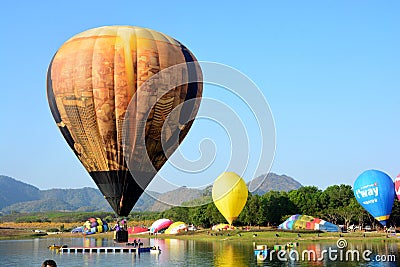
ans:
(328, 69)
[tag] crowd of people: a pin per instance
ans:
(121, 226)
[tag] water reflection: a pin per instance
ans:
(183, 253)
(329, 254)
(230, 254)
(96, 242)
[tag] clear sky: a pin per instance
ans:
(330, 71)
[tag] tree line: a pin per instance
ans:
(335, 204)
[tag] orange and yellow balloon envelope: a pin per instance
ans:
(92, 79)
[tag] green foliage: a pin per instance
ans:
(32, 218)
(52, 230)
(198, 216)
(336, 196)
(145, 215)
(53, 216)
(307, 199)
(213, 215)
(252, 213)
(395, 216)
(276, 205)
(109, 219)
(336, 204)
(177, 214)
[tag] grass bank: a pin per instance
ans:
(260, 235)
(277, 237)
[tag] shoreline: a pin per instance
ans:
(265, 235)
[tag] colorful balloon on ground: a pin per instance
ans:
(229, 193)
(305, 222)
(90, 82)
(222, 226)
(374, 190)
(137, 230)
(95, 225)
(160, 225)
(397, 186)
(176, 228)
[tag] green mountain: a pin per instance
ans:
(22, 197)
(272, 182)
(13, 191)
(175, 198)
(85, 199)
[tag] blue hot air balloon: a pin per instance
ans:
(374, 190)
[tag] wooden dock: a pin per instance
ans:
(99, 250)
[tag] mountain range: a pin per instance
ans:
(17, 196)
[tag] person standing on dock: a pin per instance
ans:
(124, 225)
(117, 227)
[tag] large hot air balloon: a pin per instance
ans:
(397, 186)
(91, 81)
(229, 193)
(374, 190)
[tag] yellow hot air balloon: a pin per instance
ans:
(229, 193)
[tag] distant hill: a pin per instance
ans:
(259, 186)
(272, 182)
(85, 199)
(191, 197)
(13, 191)
(22, 197)
(175, 197)
(146, 201)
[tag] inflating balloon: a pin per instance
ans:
(374, 190)
(397, 186)
(229, 193)
(95, 225)
(160, 224)
(305, 222)
(176, 228)
(90, 82)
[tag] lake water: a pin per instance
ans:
(190, 253)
